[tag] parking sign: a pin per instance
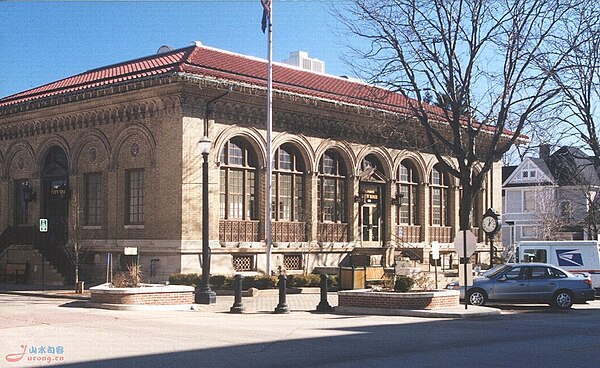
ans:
(43, 225)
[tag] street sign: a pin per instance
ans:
(459, 243)
(43, 225)
(130, 251)
(435, 250)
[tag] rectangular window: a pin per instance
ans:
(529, 201)
(250, 205)
(134, 197)
(405, 207)
(529, 232)
(328, 199)
(514, 201)
(436, 206)
(298, 198)
(93, 199)
(21, 209)
(223, 194)
(341, 201)
(285, 197)
(236, 194)
(534, 255)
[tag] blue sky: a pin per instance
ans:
(44, 41)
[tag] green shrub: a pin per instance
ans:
(304, 281)
(192, 279)
(332, 282)
(217, 282)
(403, 283)
(265, 282)
(221, 282)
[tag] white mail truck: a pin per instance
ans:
(576, 256)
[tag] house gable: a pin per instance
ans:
(531, 171)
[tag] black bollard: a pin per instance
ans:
(324, 304)
(238, 306)
(282, 307)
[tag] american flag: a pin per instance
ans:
(266, 4)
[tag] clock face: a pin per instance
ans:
(489, 224)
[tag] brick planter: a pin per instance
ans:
(420, 300)
(148, 295)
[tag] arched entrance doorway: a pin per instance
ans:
(372, 210)
(55, 207)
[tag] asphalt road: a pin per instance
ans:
(74, 336)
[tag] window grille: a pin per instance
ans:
(243, 263)
(292, 262)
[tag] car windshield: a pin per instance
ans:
(495, 270)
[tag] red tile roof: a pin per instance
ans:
(213, 63)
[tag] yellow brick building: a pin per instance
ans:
(110, 158)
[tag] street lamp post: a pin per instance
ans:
(205, 295)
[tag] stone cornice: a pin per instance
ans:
(143, 109)
(294, 113)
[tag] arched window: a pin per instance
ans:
(439, 197)
(407, 186)
(287, 191)
(332, 188)
(238, 181)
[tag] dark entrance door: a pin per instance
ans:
(55, 208)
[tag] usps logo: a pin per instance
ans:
(569, 257)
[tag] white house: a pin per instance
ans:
(550, 197)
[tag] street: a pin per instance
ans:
(34, 329)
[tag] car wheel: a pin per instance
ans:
(477, 297)
(563, 299)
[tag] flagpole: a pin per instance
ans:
(269, 174)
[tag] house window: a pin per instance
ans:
(21, 208)
(439, 197)
(238, 181)
(332, 188)
(529, 198)
(529, 232)
(287, 192)
(566, 211)
(407, 185)
(93, 199)
(134, 197)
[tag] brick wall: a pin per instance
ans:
(386, 300)
(186, 297)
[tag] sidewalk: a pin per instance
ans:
(49, 291)
(266, 303)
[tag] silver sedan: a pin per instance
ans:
(529, 283)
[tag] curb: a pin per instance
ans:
(426, 313)
(140, 307)
(56, 295)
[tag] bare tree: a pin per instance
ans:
(76, 250)
(485, 65)
(544, 202)
(579, 202)
(579, 79)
